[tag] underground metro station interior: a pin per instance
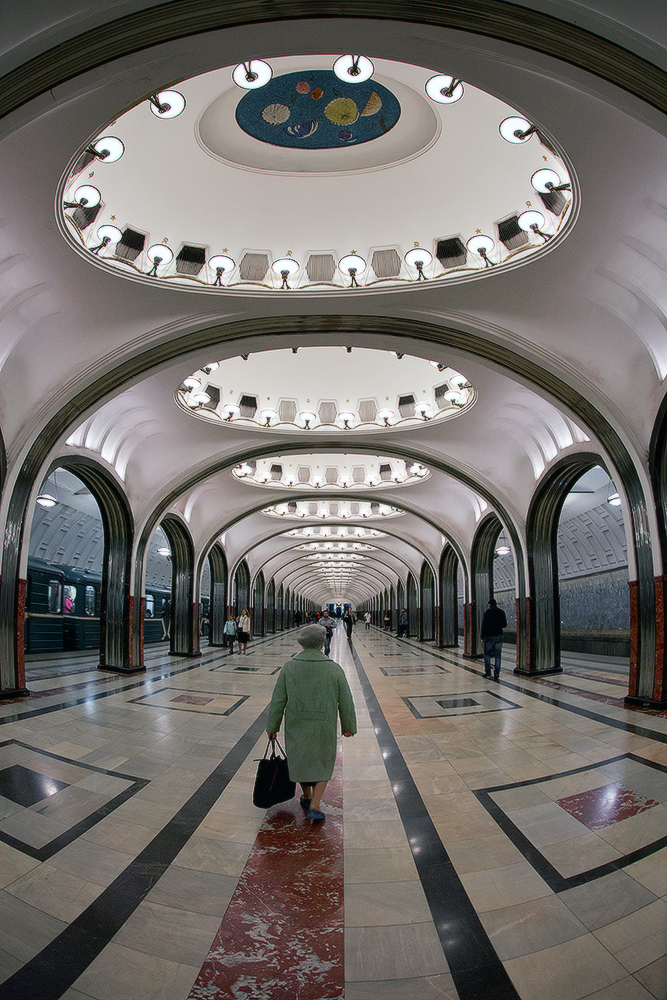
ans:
(286, 329)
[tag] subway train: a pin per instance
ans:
(63, 609)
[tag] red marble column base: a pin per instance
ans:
(634, 619)
(660, 680)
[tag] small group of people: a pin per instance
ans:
(237, 629)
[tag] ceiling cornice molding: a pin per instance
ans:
(168, 22)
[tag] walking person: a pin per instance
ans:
(244, 631)
(387, 621)
(367, 620)
(311, 693)
(328, 624)
(229, 632)
(491, 634)
(348, 621)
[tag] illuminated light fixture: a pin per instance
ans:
(230, 410)
(85, 196)
(353, 265)
(164, 551)
(46, 500)
(221, 264)
(318, 481)
(345, 481)
(308, 418)
(371, 480)
(108, 235)
(516, 129)
(546, 180)
(267, 415)
(532, 221)
(252, 75)
(397, 355)
(159, 254)
(459, 380)
(454, 396)
(346, 416)
(423, 410)
(200, 398)
(503, 550)
(397, 478)
(419, 259)
(416, 470)
(284, 267)
(289, 480)
(192, 382)
(210, 367)
(438, 365)
(386, 416)
(482, 245)
(353, 69)
(444, 89)
(614, 500)
(167, 104)
(109, 149)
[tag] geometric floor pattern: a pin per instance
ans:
(497, 840)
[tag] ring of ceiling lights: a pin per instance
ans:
(328, 536)
(325, 389)
(332, 510)
(336, 547)
(370, 214)
(315, 472)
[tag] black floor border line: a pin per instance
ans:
(628, 727)
(473, 962)
(57, 967)
(532, 854)
(145, 679)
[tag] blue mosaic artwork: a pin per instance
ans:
(316, 110)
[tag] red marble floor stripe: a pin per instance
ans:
(282, 935)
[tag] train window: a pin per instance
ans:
(90, 601)
(53, 597)
(69, 604)
(150, 606)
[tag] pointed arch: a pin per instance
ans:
(218, 601)
(184, 632)
(427, 603)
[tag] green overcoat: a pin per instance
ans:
(311, 692)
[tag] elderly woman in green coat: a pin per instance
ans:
(311, 692)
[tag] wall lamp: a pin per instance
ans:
(85, 196)
(267, 415)
(353, 69)
(419, 259)
(346, 416)
(108, 235)
(167, 104)
(285, 267)
(423, 410)
(109, 148)
(546, 180)
(516, 129)
(482, 245)
(231, 410)
(353, 265)
(221, 264)
(252, 75)
(159, 254)
(386, 415)
(444, 89)
(532, 221)
(308, 418)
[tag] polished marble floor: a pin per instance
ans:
(485, 840)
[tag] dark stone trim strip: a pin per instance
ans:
(167, 22)
(475, 967)
(544, 868)
(53, 971)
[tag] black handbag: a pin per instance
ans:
(272, 784)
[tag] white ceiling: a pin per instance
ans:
(590, 311)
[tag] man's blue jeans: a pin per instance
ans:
(493, 646)
(327, 641)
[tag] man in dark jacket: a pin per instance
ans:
(493, 623)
